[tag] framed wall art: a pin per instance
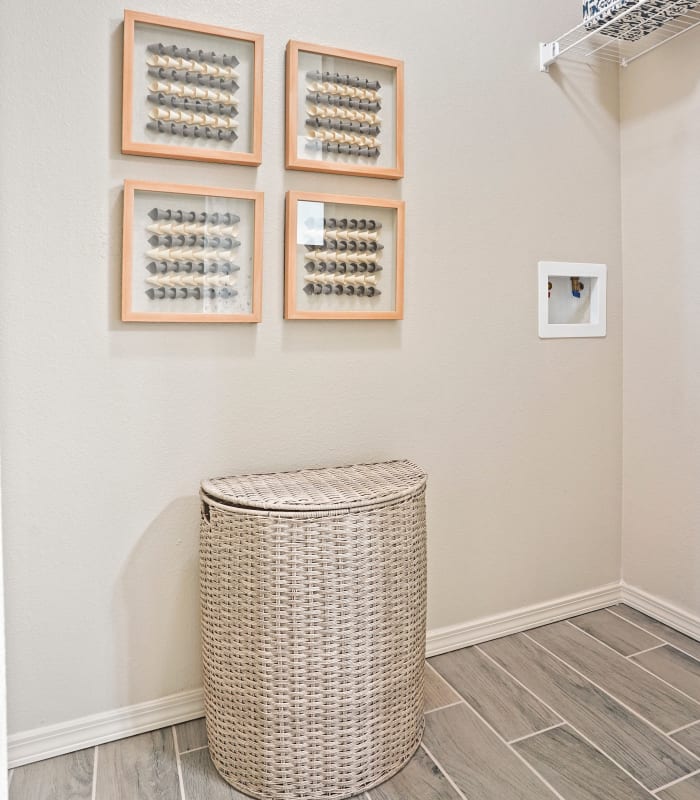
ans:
(191, 254)
(344, 112)
(344, 257)
(191, 91)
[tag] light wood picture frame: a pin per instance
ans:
(191, 91)
(345, 112)
(191, 253)
(344, 257)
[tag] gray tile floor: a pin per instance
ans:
(605, 706)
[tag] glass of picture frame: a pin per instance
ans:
(191, 254)
(344, 112)
(191, 91)
(344, 257)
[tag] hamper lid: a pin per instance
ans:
(319, 489)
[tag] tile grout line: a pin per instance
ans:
(520, 683)
(522, 686)
(437, 674)
(637, 625)
(449, 705)
(617, 700)
(677, 781)
(448, 778)
(683, 728)
(537, 733)
(641, 666)
(646, 630)
(94, 772)
(178, 763)
(506, 743)
(570, 724)
(639, 652)
(609, 609)
(194, 749)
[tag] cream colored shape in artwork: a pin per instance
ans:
(342, 137)
(190, 254)
(341, 90)
(176, 280)
(192, 117)
(333, 278)
(364, 236)
(213, 70)
(196, 228)
(337, 112)
(334, 255)
(193, 92)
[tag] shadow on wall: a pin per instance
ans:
(156, 608)
(663, 79)
(575, 80)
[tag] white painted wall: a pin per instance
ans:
(3, 683)
(661, 236)
(109, 427)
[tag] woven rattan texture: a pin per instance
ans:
(313, 646)
(314, 489)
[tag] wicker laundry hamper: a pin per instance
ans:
(313, 587)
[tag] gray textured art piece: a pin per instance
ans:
(343, 80)
(341, 267)
(342, 115)
(192, 93)
(343, 149)
(346, 263)
(192, 77)
(351, 245)
(195, 55)
(342, 224)
(189, 104)
(193, 241)
(343, 125)
(163, 293)
(188, 258)
(192, 131)
(215, 217)
(343, 102)
(200, 267)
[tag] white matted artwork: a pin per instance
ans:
(191, 254)
(344, 112)
(344, 257)
(191, 91)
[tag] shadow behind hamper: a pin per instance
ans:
(313, 590)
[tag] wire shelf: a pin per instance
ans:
(637, 29)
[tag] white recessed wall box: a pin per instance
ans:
(571, 299)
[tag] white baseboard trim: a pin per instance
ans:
(662, 610)
(66, 737)
(454, 637)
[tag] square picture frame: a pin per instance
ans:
(191, 91)
(344, 257)
(345, 112)
(191, 253)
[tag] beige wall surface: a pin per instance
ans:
(661, 242)
(108, 428)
